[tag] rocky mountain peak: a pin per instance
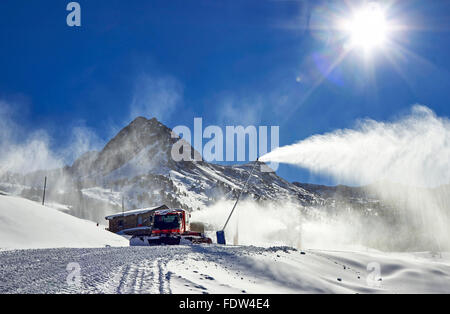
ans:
(130, 141)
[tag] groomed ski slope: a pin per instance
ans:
(217, 269)
(25, 224)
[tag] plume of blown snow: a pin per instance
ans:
(253, 223)
(25, 151)
(22, 153)
(405, 158)
(413, 150)
(280, 224)
(26, 156)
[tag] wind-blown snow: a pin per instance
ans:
(25, 224)
(254, 224)
(105, 195)
(413, 151)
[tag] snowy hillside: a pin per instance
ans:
(218, 269)
(25, 224)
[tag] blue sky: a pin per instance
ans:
(230, 62)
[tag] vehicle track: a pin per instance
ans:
(127, 270)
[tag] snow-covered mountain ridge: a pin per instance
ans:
(137, 165)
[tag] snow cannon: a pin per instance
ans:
(221, 237)
(221, 234)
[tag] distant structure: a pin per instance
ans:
(133, 221)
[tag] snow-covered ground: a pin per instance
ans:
(72, 249)
(25, 224)
(218, 269)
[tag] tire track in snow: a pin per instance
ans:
(146, 283)
(148, 276)
(137, 278)
(164, 278)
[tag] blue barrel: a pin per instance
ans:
(221, 237)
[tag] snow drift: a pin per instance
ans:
(25, 224)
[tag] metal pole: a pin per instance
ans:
(45, 186)
(239, 196)
(123, 213)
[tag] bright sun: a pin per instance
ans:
(367, 28)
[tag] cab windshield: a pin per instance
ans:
(166, 222)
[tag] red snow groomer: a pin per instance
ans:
(171, 227)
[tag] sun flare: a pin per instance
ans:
(367, 28)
